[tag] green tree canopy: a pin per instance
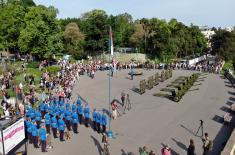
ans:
(95, 27)
(42, 35)
(11, 19)
(74, 40)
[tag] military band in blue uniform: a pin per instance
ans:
(55, 116)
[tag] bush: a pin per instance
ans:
(33, 64)
(52, 69)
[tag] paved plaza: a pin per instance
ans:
(152, 121)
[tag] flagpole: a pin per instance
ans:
(110, 133)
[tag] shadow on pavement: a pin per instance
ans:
(189, 130)
(225, 109)
(136, 90)
(97, 143)
(126, 153)
(231, 93)
(232, 99)
(229, 103)
(181, 145)
(230, 86)
(227, 82)
(218, 119)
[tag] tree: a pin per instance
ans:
(123, 28)
(223, 44)
(42, 35)
(74, 40)
(137, 38)
(95, 27)
(11, 19)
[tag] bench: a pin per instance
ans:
(227, 118)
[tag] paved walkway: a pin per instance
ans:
(153, 121)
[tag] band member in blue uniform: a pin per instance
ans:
(54, 126)
(87, 115)
(75, 122)
(98, 120)
(80, 113)
(103, 122)
(61, 128)
(94, 120)
(48, 123)
(43, 138)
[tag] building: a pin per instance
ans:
(208, 33)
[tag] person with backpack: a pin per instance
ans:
(207, 144)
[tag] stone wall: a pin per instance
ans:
(123, 57)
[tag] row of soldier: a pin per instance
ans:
(58, 117)
(154, 80)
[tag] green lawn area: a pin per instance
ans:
(29, 71)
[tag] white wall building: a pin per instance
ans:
(208, 33)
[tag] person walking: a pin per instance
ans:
(191, 148)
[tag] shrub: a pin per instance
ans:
(33, 64)
(52, 69)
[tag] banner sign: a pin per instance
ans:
(12, 136)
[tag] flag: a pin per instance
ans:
(111, 40)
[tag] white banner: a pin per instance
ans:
(13, 135)
(1, 148)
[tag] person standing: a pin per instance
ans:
(38, 119)
(128, 103)
(98, 121)
(42, 135)
(74, 107)
(34, 135)
(103, 122)
(61, 128)
(54, 126)
(68, 120)
(75, 122)
(80, 113)
(166, 150)
(207, 144)
(191, 148)
(123, 96)
(94, 115)
(29, 132)
(48, 123)
(87, 115)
